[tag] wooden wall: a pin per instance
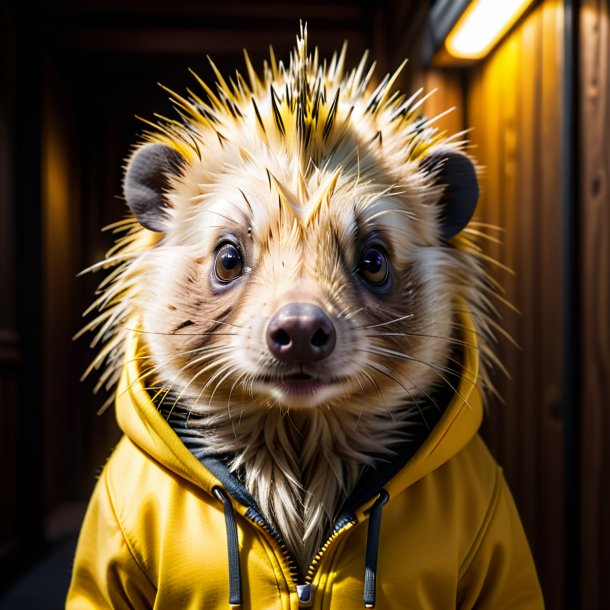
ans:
(513, 102)
(10, 355)
(20, 522)
(594, 290)
(514, 106)
(552, 434)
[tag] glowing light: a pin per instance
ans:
(483, 23)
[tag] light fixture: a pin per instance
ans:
(482, 25)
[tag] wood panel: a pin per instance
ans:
(594, 197)
(550, 442)
(397, 33)
(447, 99)
(514, 106)
(10, 355)
(61, 242)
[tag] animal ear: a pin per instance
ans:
(455, 171)
(147, 180)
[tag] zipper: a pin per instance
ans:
(293, 568)
(307, 590)
(302, 582)
(341, 527)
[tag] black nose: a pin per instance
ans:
(301, 332)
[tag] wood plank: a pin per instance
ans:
(485, 135)
(550, 296)
(507, 68)
(526, 242)
(449, 94)
(595, 300)
(514, 107)
(10, 348)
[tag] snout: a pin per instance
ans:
(301, 332)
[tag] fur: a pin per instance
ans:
(300, 169)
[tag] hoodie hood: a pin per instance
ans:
(177, 530)
(141, 421)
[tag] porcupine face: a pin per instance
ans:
(298, 273)
(249, 301)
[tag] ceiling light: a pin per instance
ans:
(482, 25)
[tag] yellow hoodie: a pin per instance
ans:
(163, 532)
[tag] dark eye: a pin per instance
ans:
(373, 265)
(228, 264)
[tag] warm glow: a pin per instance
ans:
(483, 23)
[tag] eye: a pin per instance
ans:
(228, 264)
(373, 266)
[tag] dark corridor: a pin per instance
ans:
(72, 84)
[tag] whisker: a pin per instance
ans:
(384, 351)
(450, 358)
(231, 220)
(439, 370)
(176, 334)
(347, 313)
(232, 419)
(173, 356)
(210, 352)
(205, 352)
(214, 355)
(226, 370)
(153, 369)
(363, 400)
(392, 375)
(139, 378)
(217, 362)
(452, 340)
(368, 326)
(376, 386)
(165, 395)
(430, 399)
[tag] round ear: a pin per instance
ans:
(456, 172)
(146, 183)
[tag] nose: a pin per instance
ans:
(301, 332)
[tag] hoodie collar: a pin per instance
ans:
(462, 413)
(458, 424)
(141, 421)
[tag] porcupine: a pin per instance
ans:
(295, 270)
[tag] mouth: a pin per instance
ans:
(300, 383)
(301, 389)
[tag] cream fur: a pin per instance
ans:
(300, 206)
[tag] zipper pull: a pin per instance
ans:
(305, 595)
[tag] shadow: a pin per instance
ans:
(45, 585)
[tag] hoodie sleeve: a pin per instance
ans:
(106, 573)
(499, 571)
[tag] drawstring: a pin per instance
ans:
(233, 549)
(372, 548)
